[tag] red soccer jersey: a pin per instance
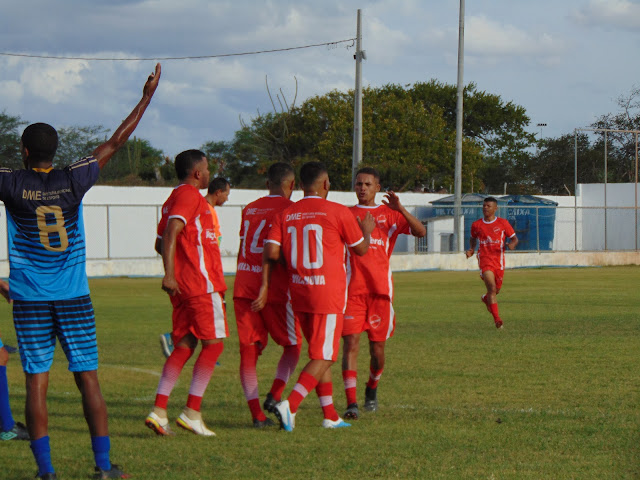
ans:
(198, 266)
(256, 222)
(312, 234)
(371, 273)
(491, 238)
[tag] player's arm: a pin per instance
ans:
(105, 151)
(169, 241)
(367, 225)
(158, 246)
(513, 242)
(473, 241)
(270, 257)
(392, 201)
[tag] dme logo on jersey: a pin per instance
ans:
(251, 211)
(293, 216)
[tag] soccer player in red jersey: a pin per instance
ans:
(195, 284)
(369, 304)
(491, 233)
(276, 318)
(311, 236)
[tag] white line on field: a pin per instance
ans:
(155, 373)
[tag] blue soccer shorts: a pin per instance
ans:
(72, 322)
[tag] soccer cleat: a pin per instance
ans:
(269, 403)
(195, 426)
(486, 302)
(267, 422)
(326, 423)
(18, 432)
(370, 400)
(115, 472)
(498, 324)
(166, 342)
(352, 412)
(285, 417)
(47, 476)
(158, 425)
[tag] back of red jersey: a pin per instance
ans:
(371, 272)
(198, 265)
(491, 238)
(256, 223)
(312, 234)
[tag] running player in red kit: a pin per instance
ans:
(491, 232)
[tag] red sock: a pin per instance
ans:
(325, 395)
(249, 379)
(170, 373)
(286, 367)
(350, 378)
(374, 377)
(494, 312)
(202, 371)
(306, 383)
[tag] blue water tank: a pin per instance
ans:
(533, 219)
(471, 210)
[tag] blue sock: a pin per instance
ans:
(6, 418)
(101, 447)
(42, 453)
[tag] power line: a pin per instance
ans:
(53, 57)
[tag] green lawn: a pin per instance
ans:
(555, 394)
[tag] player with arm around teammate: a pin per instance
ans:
(276, 318)
(491, 233)
(195, 283)
(48, 280)
(311, 236)
(369, 304)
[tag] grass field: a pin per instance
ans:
(554, 395)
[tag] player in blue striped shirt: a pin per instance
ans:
(48, 280)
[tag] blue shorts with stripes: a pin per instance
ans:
(72, 322)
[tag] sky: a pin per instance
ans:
(565, 61)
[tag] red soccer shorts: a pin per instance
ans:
(371, 313)
(497, 273)
(275, 319)
(322, 332)
(204, 316)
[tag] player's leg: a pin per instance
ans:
(322, 334)
(489, 278)
(184, 346)
(324, 389)
(36, 355)
(76, 331)
(283, 327)
(9, 428)
(252, 336)
(203, 309)
(354, 324)
(381, 324)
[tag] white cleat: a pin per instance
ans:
(340, 423)
(158, 425)
(285, 417)
(195, 426)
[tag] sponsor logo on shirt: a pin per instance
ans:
(245, 267)
(376, 241)
(308, 279)
(211, 235)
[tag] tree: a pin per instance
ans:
(10, 141)
(77, 142)
(137, 162)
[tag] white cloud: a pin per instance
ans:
(609, 14)
(56, 82)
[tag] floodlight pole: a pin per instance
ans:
(357, 109)
(457, 203)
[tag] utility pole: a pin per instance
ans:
(457, 202)
(357, 101)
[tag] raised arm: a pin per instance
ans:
(105, 151)
(392, 201)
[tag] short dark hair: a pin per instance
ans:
(491, 199)
(310, 172)
(185, 161)
(369, 171)
(218, 183)
(278, 172)
(41, 140)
